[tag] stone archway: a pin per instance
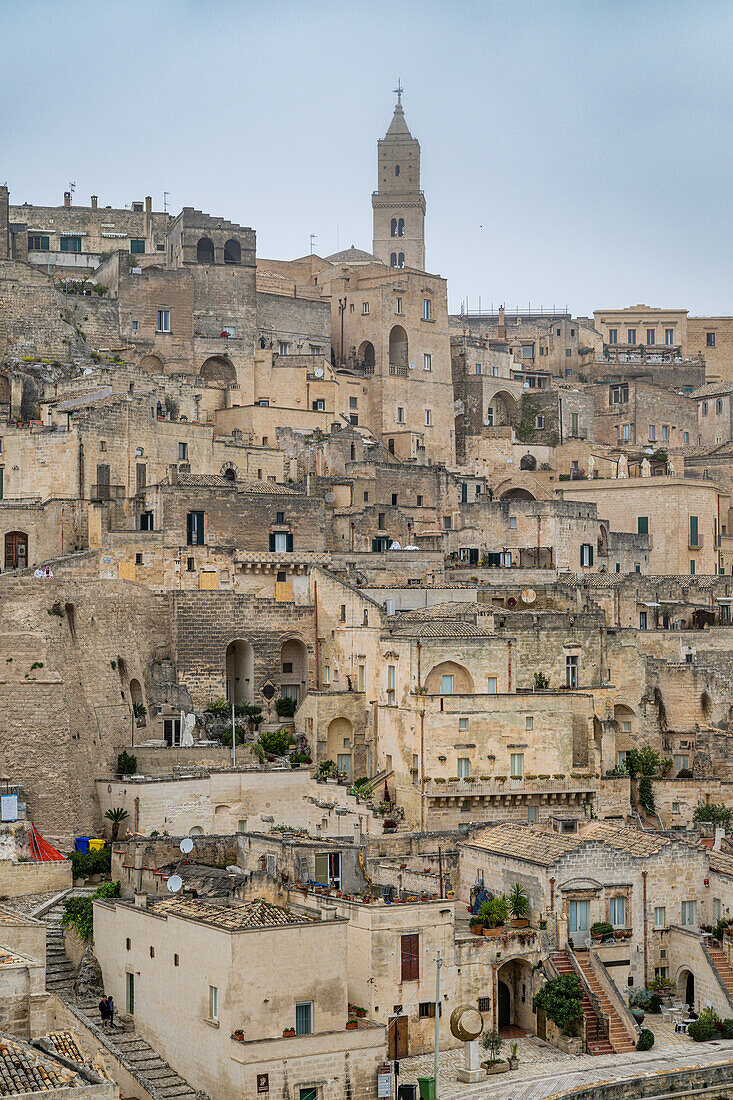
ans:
(398, 347)
(217, 368)
(514, 997)
(294, 669)
(449, 678)
(151, 363)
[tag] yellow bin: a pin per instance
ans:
(95, 845)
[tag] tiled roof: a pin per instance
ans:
(253, 914)
(539, 845)
(451, 609)
(218, 481)
(445, 629)
(712, 389)
(23, 1069)
(64, 1043)
(352, 255)
(721, 862)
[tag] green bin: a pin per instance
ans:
(427, 1088)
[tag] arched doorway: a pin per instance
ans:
(218, 369)
(195, 830)
(152, 364)
(205, 251)
(16, 550)
(398, 347)
(366, 354)
(293, 670)
(449, 678)
(229, 471)
(686, 987)
(240, 672)
(514, 1000)
(340, 743)
(517, 494)
(528, 462)
(138, 706)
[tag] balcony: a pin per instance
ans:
(576, 783)
(399, 370)
(107, 492)
(697, 544)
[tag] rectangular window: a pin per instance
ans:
(304, 1018)
(665, 433)
(652, 433)
(353, 403)
(279, 540)
(213, 1002)
(400, 415)
(586, 555)
(380, 520)
(360, 677)
(391, 685)
(308, 1094)
(617, 912)
(319, 405)
(717, 910)
(70, 244)
(661, 972)
(410, 958)
(681, 762)
(464, 767)
(137, 245)
(495, 372)
(578, 916)
(692, 568)
(279, 517)
(490, 417)
(613, 336)
(539, 422)
(627, 432)
(710, 339)
(694, 534)
(164, 320)
(688, 914)
(660, 916)
(642, 620)
(463, 725)
(283, 347)
(651, 337)
(529, 722)
(574, 424)
(446, 686)
(195, 529)
(419, 500)
(631, 336)
(427, 361)
(37, 242)
(669, 336)
(428, 417)
(398, 306)
(491, 685)
(365, 308)
(516, 765)
(478, 368)
(183, 452)
(571, 671)
(134, 326)
(314, 349)
(642, 525)
(686, 438)
(426, 309)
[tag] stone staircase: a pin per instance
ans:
(137, 1056)
(618, 1036)
(596, 1043)
(722, 966)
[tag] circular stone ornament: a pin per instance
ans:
(466, 1023)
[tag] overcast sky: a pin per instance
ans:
(573, 154)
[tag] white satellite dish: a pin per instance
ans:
(487, 423)
(330, 497)
(412, 366)
(174, 883)
(529, 595)
(526, 385)
(186, 845)
(318, 372)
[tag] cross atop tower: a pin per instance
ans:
(398, 91)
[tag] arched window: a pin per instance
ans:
(393, 227)
(393, 260)
(401, 260)
(401, 227)
(397, 169)
(718, 407)
(232, 252)
(205, 251)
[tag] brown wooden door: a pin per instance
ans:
(397, 1038)
(141, 478)
(541, 1024)
(16, 550)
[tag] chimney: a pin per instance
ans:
(148, 204)
(719, 835)
(67, 198)
(138, 870)
(141, 901)
(328, 912)
(148, 230)
(173, 475)
(94, 202)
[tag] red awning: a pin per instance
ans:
(41, 850)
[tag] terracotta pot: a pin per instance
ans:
(477, 929)
(519, 922)
(352, 1025)
(361, 1013)
(494, 933)
(288, 1032)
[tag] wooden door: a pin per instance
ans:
(541, 1024)
(397, 1037)
(16, 550)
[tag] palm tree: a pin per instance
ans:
(116, 816)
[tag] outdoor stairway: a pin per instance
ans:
(618, 1036)
(596, 1044)
(721, 964)
(156, 1076)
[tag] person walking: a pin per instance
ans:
(111, 1010)
(104, 1012)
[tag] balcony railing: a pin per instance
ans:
(477, 788)
(400, 370)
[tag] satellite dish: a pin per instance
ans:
(318, 372)
(330, 497)
(174, 883)
(526, 385)
(186, 845)
(412, 366)
(529, 595)
(511, 601)
(487, 423)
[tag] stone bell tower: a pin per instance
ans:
(398, 203)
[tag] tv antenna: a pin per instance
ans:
(314, 238)
(166, 195)
(72, 189)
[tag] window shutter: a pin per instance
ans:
(590, 555)
(272, 540)
(375, 548)
(200, 525)
(410, 958)
(289, 542)
(189, 529)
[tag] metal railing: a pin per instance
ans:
(466, 788)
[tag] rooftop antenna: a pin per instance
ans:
(165, 201)
(72, 189)
(314, 238)
(175, 883)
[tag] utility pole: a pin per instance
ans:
(436, 1070)
(234, 734)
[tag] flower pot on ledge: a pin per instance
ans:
(288, 1033)
(494, 933)
(519, 922)
(352, 1025)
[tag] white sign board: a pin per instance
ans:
(384, 1083)
(9, 809)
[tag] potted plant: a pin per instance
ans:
(476, 925)
(601, 930)
(494, 912)
(288, 1032)
(390, 825)
(352, 1023)
(492, 1043)
(513, 1059)
(519, 906)
(239, 1035)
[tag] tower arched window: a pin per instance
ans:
(393, 227)
(401, 260)
(397, 169)
(401, 227)
(393, 260)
